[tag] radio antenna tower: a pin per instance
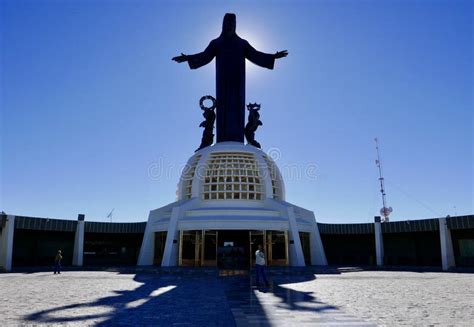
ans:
(110, 214)
(385, 211)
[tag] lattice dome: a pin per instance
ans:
(231, 171)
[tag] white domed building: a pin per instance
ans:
(231, 198)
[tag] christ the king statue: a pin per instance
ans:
(230, 52)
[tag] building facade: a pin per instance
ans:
(445, 243)
(231, 198)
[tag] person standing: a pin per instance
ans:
(260, 265)
(57, 262)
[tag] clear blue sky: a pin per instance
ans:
(90, 100)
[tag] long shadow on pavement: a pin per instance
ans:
(163, 300)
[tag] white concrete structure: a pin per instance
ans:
(6, 243)
(78, 252)
(447, 251)
(379, 253)
(229, 187)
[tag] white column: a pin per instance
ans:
(170, 255)
(199, 174)
(6, 243)
(379, 253)
(267, 182)
(296, 251)
(145, 258)
(447, 252)
(78, 253)
(318, 256)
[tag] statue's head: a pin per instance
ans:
(229, 24)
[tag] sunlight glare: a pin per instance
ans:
(162, 290)
(155, 293)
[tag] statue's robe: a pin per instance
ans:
(230, 53)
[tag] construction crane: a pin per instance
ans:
(385, 211)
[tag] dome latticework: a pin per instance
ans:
(231, 171)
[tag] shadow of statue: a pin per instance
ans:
(247, 300)
(158, 301)
(162, 300)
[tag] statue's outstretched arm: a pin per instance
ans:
(203, 58)
(261, 59)
(199, 59)
(281, 54)
(180, 59)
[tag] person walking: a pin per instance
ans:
(57, 262)
(260, 265)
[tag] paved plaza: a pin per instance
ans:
(362, 298)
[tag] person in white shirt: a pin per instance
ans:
(260, 265)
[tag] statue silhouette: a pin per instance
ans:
(230, 52)
(253, 123)
(208, 123)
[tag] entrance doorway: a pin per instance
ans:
(160, 241)
(233, 249)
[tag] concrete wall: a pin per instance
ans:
(444, 242)
(463, 246)
(39, 248)
(349, 249)
(7, 223)
(111, 248)
(412, 249)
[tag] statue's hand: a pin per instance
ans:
(181, 58)
(281, 54)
